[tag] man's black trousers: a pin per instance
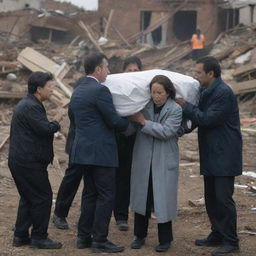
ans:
(123, 176)
(221, 208)
(35, 200)
(67, 190)
(98, 202)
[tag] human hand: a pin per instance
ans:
(138, 118)
(180, 101)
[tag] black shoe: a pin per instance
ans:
(18, 241)
(59, 222)
(83, 243)
(162, 247)
(208, 242)
(106, 247)
(137, 243)
(225, 249)
(122, 225)
(45, 244)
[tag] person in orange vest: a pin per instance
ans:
(197, 43)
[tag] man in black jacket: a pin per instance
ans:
(220, 149)
(70, 182)
(31, 150)
(123, 172)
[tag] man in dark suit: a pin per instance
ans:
(73, 176)
(220, 149)
(70, 182)
(94, 151)
(31, 150)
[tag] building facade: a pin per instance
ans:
(13, 5)
(160, 22)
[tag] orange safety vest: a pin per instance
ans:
(197, 43)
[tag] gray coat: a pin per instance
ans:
(156, 145)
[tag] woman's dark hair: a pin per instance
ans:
(166, 83)
(92, 61)
(38, 79)
(210, 64)
(132, 60)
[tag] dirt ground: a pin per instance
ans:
(191, 223)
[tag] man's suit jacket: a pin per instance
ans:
(71, 129)
(96, 120)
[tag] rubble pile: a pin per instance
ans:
(24, 50)
(235, 49)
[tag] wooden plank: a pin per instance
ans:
(143, 49)
(12, 95)
(73, 41)
(119, 33)
(84, 27)
(63, 87)
(4, 141)
(7, 71)
(62, 71)
(244, 69)
(35, 61)
(175, 57)
(248, 130)
(108, 23)
(243, 87)
(9, 64)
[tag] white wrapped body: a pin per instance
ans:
(131, 92)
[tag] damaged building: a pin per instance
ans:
(36, 25)
(161, 22)
(44, 20)
(153, 22)
(13, 5)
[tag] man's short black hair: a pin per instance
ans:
(38, 79)
(210, 64)
(166, 83)
(132, 60)
(92, 61)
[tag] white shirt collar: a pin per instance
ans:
(94, 78)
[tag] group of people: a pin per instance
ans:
(125, 161)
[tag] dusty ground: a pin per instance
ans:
(191, 223)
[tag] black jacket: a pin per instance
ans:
(31, 137)
(219, 135)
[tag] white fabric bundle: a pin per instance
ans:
(131, 92)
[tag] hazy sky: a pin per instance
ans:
(86, 4)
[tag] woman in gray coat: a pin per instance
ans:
(154, 177)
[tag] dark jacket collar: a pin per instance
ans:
(34, 98)
(207, 91)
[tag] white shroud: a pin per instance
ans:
(131, 92)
